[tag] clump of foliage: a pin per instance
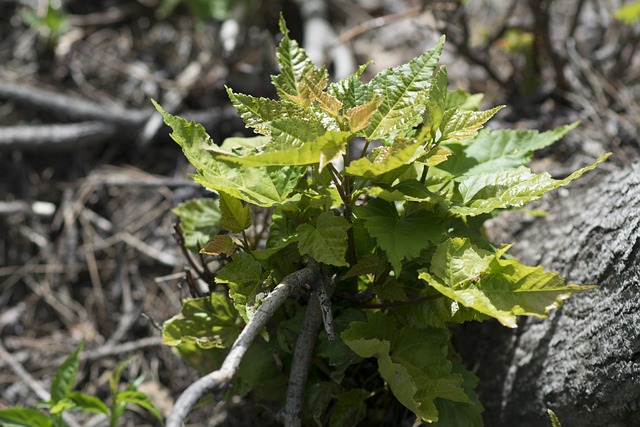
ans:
(64, 398)
(382, 188)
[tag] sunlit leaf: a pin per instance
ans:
(386, 158)
(459, 124)
(24, 417)
(247, 289)
(400, 89)
(500, 288)
(219, 244)
(199, 220)
(484, 193)
(65, 376)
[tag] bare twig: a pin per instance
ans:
(307, 337)
(221, 378)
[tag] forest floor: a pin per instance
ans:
(89, 176)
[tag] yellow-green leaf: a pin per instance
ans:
(236, 217)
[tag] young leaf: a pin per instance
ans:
(258, 113)
(436, 103)
(386, 158)
(485, 193)
(359, 116)
(295, 144)
(137, 398)
(327, 241)
(496, 287)
(325, 101)
(65, 376)
(351, 91)
(497, 150)
(555, 422)
(24, 417)
(412, 361)
(87, 403)
(247, 289)
(294, 64)
(199, 220)
(401, 90)
(457, 124)
(400, 237)
(235, 216)
(207, 322)
(265, 186)
(463, 100)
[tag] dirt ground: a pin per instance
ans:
(88, 175)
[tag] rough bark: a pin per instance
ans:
(584, 361)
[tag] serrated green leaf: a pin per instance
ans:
(24, 417)
(484, 193)
(258, 113)
(140, 399)
(458, 124)
(199, 220)
(384, 159)
(359, 116)
(495, 150)
(399, 237)
(295, 143)
(326, 101)
(247, 289)
(327, 241)
(294, 64)
(436, 103)
(236, 217)
(351, 91)
(412, 361)
(263, 186)
(401, 90)
(208, 322)
(555, 422)
(87, 403)
(65, 376)
(496, 287)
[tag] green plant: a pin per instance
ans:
(63, 399)
(392, 228)
(201, 10)
(51, 23)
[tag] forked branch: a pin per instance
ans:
(220, 379)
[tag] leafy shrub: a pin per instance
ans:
(394, 223)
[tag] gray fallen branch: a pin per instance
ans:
(75, 109)
(314, 317)
(221, 378)
(56, 136)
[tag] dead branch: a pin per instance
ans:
(221, 378)
(314, 317)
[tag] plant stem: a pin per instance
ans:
(222, 378)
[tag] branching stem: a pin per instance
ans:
(220, 379)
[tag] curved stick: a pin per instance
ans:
(223, 376)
